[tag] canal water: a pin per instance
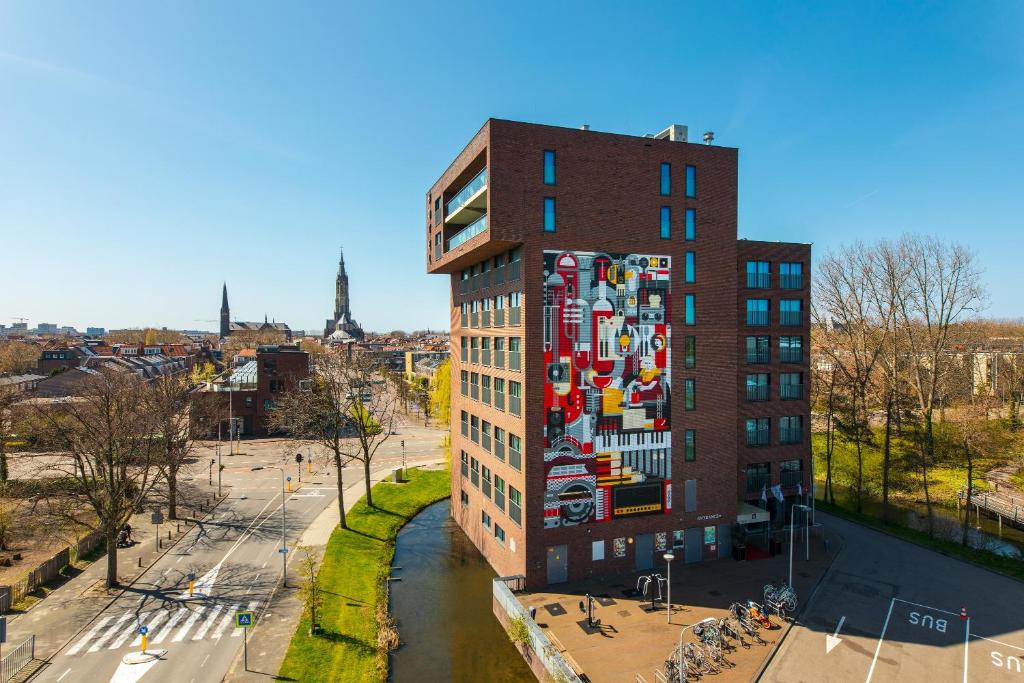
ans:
(443, 608)
(982, 532)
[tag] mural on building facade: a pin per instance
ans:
(607, 363)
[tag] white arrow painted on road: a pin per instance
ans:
(834, 639)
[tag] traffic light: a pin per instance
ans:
(298, 457)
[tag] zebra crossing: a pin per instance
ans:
(176, 623)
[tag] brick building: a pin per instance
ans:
(599, 307)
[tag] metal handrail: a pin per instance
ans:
(17, 659)
(478, 182)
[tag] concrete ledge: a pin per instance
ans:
(143, 657)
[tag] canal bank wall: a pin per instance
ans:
(543, 658)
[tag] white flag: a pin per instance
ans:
(799, 490)
(777, 492)
(764, 493)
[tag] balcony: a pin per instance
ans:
(758, 437)
(757, 318)
(468, 203)
(758, 356)
(791, 391)
(795, 281)
(759, 280)
(791, 354)
(791, 318)
(468, 232)
(757, 392)
(791, 435)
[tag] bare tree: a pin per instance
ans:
(110, 437)
(943, 288)
(824, 387)
(311, 588)
(320, 412)
(184, 417)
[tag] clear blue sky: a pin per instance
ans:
(149, 151)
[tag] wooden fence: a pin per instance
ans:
(46, 571)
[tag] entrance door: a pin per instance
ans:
(644, 552)
(724, 540)
(558, 564)
(694, 539)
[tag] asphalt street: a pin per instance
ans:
(891, 611)
(234, 559)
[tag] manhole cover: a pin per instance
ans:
(555, 609)
(623, 612)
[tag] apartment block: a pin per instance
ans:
(601, 401)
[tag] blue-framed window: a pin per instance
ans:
(549, 167)
(666, 222)
(691, 313)
(691, 181)
(690, 274)
(549, 214)
(691, 224)
(690, 445)
(666, 179)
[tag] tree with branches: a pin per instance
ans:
(109, 436)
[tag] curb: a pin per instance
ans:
(125, 587)
(782, 638)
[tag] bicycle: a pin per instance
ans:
(758, 615)
(730, 628)
(783, 595)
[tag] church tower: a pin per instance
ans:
(225, 314)
(341, 309)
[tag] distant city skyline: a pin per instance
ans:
(152, 152)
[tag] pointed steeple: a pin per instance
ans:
(224, 298)
(225, 313)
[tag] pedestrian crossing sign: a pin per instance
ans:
(243, 619)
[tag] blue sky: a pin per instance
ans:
(149, 151)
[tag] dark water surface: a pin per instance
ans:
(443, 608)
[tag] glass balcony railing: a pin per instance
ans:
(463, 196)
(468, 232)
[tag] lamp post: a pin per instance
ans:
(668, 597)
(792, 512)
(284, 513)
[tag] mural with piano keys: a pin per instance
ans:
(607, 365)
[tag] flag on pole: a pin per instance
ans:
(777, 492)
(799, 490)
(764, 493)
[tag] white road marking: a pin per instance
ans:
(999, 642)
(88, 636)
(265, 565)
(205, 659)
(109, 633)
(193, 618)
(130, 673)
(152, 626)
(63, 675)
(929, 607)
(201, 633)
(226, 621)
(175, 618)
(967, 637)
(881, 637)
(128, 632)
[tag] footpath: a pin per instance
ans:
(73, 604)
(269, 640)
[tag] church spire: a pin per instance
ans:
(225, 313)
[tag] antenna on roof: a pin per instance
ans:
(709, 137)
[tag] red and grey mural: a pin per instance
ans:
(607, 364)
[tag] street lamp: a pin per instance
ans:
(284, 513)
(792, 512)
(668, 598)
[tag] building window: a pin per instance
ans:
(597, 547)
(791, 472)
(691, 268)
(485, 346)
(549, 214)
(758, 349)
(666, 222)
(485, 519)
(464, 344)
(691, 181)
(465, 423)
(474, 350)
(759, 275)
(499, 393)
(464, 383)
(689, 394)
(757, 387)
(514, 353)
(791, 429)
(499, 352)
(474, 472)
(690, 445)
(549, 167)
(515, 505)
(791, 349)
(515, 449)
(691, 314)
(690, 495)
(690, 351)
(790, 312)
(691, 225)
(485, 486)
(515, 396)
(791, 385)
(499, 492)
(485, 389)
(666, 179)
(758, 431)
(499, 534)
(759, 477)
(465, 464)
(499, 443)
(474, 386)
(791, 275)
(757, 312)
(474, 429)
(464, 497)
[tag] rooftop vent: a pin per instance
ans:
(585, 126)
(676, 133)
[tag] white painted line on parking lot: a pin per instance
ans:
(967, 637)
(998, 642)
(878, 648)
(934, 609)
(63, 675)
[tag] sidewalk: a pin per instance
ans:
(269, 640)
(72, 605)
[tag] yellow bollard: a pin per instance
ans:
(289, 487)
(309, 467)
(145, 639)
(190, 584)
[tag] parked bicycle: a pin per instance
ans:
(783, 595)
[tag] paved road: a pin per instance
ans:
(234, 558)
(900, 610)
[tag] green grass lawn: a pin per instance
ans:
(355, 561)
